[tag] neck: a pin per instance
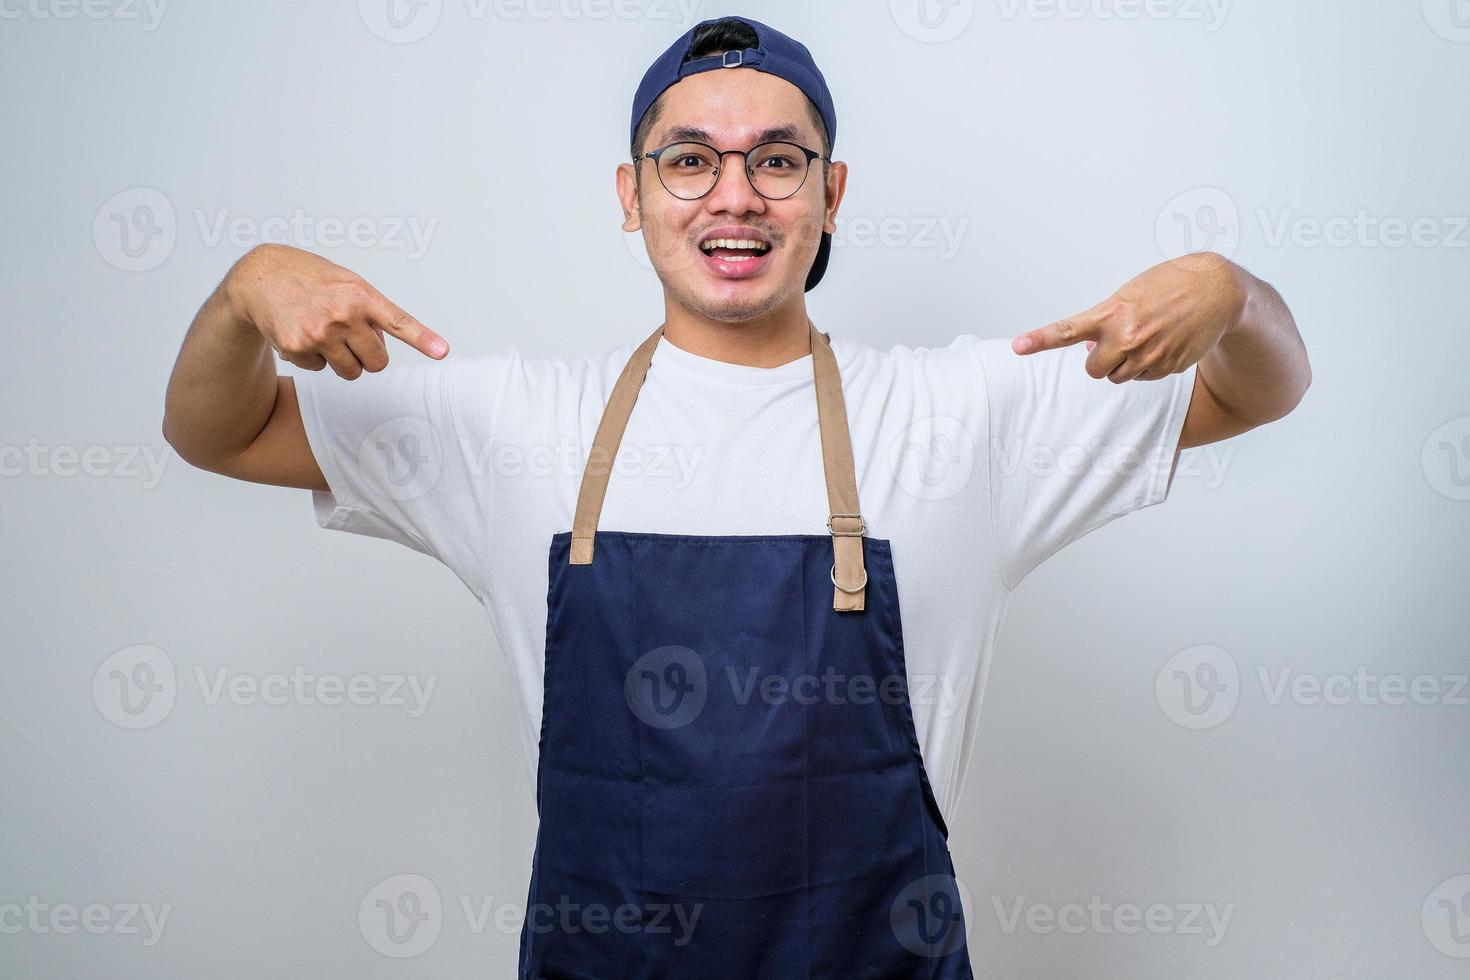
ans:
(770, 340)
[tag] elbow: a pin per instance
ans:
(181, 446)
(171, 439)
(1304, 381)
(168, 435)
(1293, 398)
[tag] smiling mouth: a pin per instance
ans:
(734, 249)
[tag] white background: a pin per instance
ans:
(1064, 147)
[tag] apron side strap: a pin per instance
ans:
(849, 577)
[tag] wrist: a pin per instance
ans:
(1242, 288)
(235, 289)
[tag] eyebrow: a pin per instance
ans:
(679, 134)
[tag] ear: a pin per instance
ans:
(627, 186)
(836, 187)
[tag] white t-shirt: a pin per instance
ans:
(974, 462)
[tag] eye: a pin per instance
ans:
(784, 161)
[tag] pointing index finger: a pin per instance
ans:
(1063, 333)
(389, 317)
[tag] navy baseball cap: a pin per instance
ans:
(775, 54)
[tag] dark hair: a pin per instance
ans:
(725, 34)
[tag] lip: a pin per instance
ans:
(739, 268)
(735, 268)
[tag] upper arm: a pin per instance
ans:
(1207, 420)
(280, 454)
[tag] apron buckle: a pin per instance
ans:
(856, 589)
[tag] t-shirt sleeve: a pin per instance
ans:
(1068, 453)
(403, 451)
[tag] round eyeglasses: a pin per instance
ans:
(689, 171)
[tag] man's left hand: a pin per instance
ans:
(1157, 324)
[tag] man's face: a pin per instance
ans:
(735, 109)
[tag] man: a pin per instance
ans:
(719, 698)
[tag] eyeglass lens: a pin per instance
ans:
(690, 170)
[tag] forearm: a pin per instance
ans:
(223, 386)
(1259, 370)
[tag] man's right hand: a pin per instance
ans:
(315, 312)
(228, 409)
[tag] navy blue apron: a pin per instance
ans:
(730, 783)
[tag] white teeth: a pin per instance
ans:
(709, 243)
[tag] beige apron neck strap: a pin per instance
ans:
(605, 448)
(849, 578)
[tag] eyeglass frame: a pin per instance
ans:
(745, 154)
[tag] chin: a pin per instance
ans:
(736, 308)
(746, 301)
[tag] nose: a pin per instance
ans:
(733, 190)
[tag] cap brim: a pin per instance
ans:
(819, 266)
